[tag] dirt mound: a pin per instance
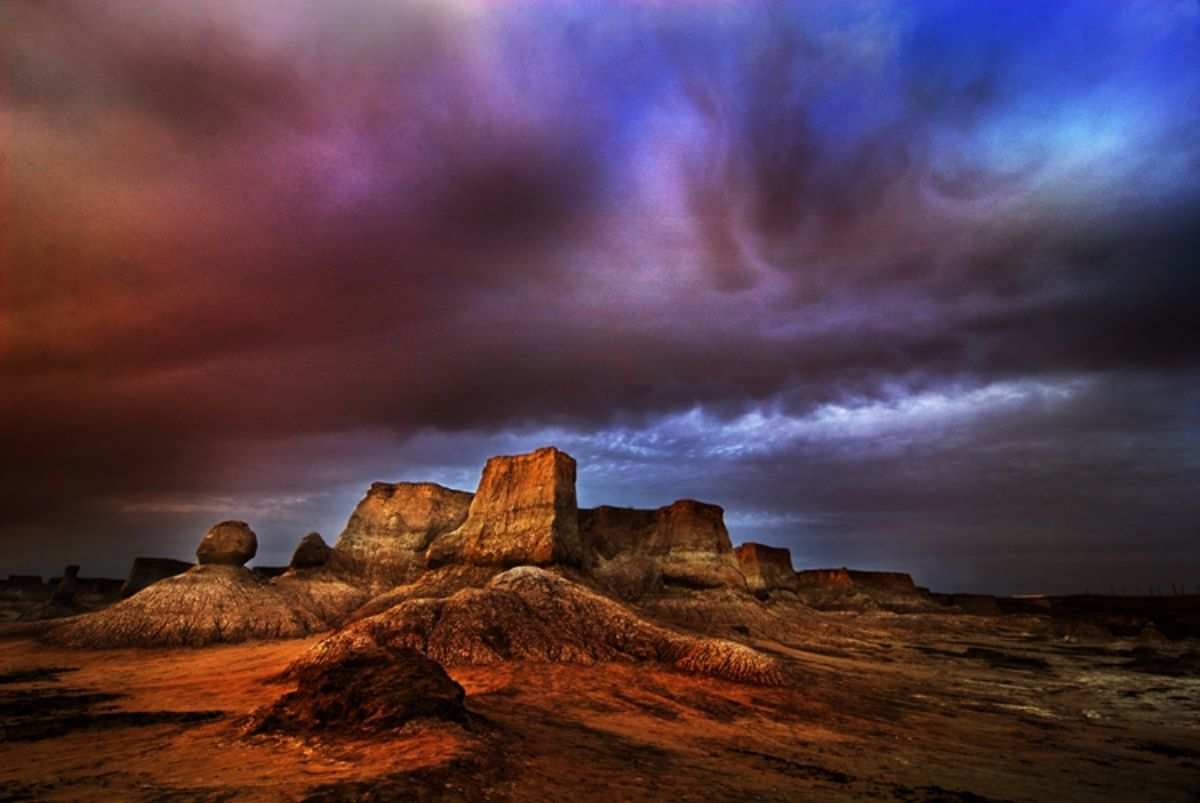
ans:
(368, 691)
(528, 613)
(205, 605)
(435, 583)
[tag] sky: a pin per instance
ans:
(901, 285)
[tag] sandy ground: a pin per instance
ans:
(891, 707)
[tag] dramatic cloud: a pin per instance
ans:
(898, 284)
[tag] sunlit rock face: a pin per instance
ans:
(387, 535)
(683, 544)
(523, 513)
(766, 568)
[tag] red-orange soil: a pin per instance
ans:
(886, 707)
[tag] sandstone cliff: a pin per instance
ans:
(766, 568)
(682, 544)
(387, 534)
(523, 513)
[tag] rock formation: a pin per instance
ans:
(766, 568)
(64, 592)
(853, 590)
(146, 571)
(845, 578)
(217, 601)
(364, 692)
(528, 613)
(523, 513)
(230, 543)
(311, 552)
(682, 544)
(390, 529)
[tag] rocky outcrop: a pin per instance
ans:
(390, 529)
(64, 592)
(528, 613)
(853, 590)
(523, 513)
(683, 544)
(311, 552)
(230, 543)
(363, 692)
(766, 568)
(845, 578)
(146, 571)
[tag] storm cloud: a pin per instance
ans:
(906, 286)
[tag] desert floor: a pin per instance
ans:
(892, 707)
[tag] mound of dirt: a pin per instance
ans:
(436, 583)
(528, 613)
(364, 692)
(204, 605)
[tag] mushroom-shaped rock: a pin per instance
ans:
(230, 543)
(311, 552)
(524, 513)
(767, 568)
(367, 690)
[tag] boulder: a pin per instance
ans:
(387, 534)
(366, 692)
(311, 552)
(230, 543)
(146, 571)
(766, 568)
(523, 513)
(529, 613)
(683, 544)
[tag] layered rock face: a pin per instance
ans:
(146, 571)
(847, 578)
(230, 543)
(523, 513)
(766, 568)
(682, 544)
(390, 529)
(528, 613)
